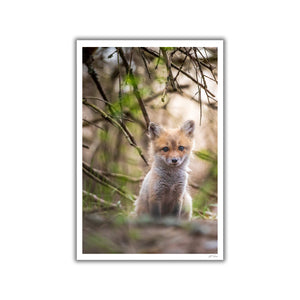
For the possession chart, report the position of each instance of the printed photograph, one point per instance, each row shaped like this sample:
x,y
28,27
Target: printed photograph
x,y
149,150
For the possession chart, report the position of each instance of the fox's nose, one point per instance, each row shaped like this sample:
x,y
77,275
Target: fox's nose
x,y
174,160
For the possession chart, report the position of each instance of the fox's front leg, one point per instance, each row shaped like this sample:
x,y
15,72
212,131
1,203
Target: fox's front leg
x,y
155,209
176,210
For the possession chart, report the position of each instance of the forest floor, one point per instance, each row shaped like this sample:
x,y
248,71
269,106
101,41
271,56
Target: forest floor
x,y
145,235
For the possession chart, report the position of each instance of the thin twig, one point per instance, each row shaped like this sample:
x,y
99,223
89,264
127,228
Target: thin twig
x,y
91,123
119,81
104,181
145,63
181,67
197,186
120,176
193,58
168,65
199,66
152,97
216,81
95,78
210,105
177,68
131,118
196,66
158,61
97,98
211,68
131,56
99,199
121,126
200,100
201,73
135,87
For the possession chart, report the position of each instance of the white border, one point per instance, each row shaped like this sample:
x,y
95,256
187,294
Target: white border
x,y
149,43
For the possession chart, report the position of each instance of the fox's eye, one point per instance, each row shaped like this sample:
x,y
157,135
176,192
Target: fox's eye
x,y
181,148
165,149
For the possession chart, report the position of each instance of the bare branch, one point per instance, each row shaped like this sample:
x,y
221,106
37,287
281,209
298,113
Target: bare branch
x,y
193,58
105,181
130,118
177,68
95,78
97,98
168,65
210,67
198,187
210,105
200,100
91,123
120,176
152,97
121,126
181,67
201,73
135,88
145,63
119,82
99,199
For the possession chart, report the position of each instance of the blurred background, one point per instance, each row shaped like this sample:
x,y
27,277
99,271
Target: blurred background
x,y
124,89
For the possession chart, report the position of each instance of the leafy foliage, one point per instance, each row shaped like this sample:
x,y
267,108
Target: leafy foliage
x,y
205,199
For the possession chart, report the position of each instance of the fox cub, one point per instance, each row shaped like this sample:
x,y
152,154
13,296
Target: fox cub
x,y
164,189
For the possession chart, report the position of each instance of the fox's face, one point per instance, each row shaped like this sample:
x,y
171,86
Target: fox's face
x,y
172,146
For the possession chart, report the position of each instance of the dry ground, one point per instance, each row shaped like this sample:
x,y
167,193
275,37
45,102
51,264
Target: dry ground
x,y
145,235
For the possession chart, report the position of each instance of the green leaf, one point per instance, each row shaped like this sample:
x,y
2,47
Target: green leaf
x,y
131,80
206,155
167,48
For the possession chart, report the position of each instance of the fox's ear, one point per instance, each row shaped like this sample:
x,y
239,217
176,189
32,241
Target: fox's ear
x,y
188,128
154,130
